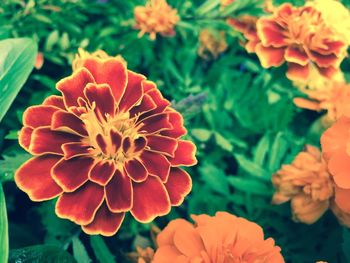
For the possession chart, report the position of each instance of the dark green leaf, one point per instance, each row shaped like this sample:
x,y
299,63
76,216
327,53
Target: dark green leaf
x,y
4,240
101,250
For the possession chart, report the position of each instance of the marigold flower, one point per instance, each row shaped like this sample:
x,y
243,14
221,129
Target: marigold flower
x,y
334,99
306,183
157,17
221,238
212,42
141,255
300,37
108,145
246,24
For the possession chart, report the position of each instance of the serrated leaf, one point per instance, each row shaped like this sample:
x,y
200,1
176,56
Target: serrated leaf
x,y
79,251
40,254
17,58
4,240
101,250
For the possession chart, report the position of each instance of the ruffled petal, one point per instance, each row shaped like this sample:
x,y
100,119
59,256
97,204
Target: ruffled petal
x,y
342,197
295,55
72,87
297,72
34,178
177,124
38,116
24,137
270,33
156,164
146,105
162,144
184,154
74,149
105,222
111,71
72,174
133,92
119,193
56,101
150,200
80,206
68,122
270,56
136,170
178,186
102,172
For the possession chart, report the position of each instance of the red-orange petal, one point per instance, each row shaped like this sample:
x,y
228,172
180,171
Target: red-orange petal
x,y
297,72
185,154
116,139
80,206
325,60
73,173
146,105
74,149
111,71
105,222
150,200
34,178
156,164
56,101
119,193
44,140
68,122
342,198
295,55
162,144
155,123
339,167
133,92
72,87
37,116
24,137
270,56
136,170
178,186
102,172
271,33
102,96
177,123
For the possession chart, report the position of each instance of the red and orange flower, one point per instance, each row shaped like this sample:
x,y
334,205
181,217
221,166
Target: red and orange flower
x,y
156,17
221,238
109,144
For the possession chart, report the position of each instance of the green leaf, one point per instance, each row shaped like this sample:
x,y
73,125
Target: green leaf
x,y
4,242
223,142
202,135
250,186
79,251
215,178
17,58
101,250
252,168
10,164
40,254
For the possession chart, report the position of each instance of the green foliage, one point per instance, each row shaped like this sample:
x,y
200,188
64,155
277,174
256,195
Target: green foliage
x,y
17,57
101,250
4,242
79,251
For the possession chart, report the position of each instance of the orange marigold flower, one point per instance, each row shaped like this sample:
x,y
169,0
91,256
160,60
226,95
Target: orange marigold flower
x,y
307,183
334,99
246,24
108,145
157,17
212,43
221,238
300,37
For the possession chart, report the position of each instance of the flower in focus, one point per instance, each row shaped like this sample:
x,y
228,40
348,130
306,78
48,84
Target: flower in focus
x,y
335,14
212,43
110,144
334,99
246,24
157,17
306,183
300,37
221,238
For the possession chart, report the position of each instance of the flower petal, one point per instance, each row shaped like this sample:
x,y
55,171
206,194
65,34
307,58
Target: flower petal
x,y
270,56
102,96
68,122
177,123
342,198
155,123
133,92
297,56
156,164
146,105
56,101
72,174
105,222
80,206
72,87
185,154
162,144
34,178
178,186
74,149
339,167
24,137
150,200
37,116
111,71
297,72
136,170
102,172
119,193
44,140
270,33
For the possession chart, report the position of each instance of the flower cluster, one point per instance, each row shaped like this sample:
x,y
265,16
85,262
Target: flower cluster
x,y
307,183
212,43
156,17
298,36
110,144
221,238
